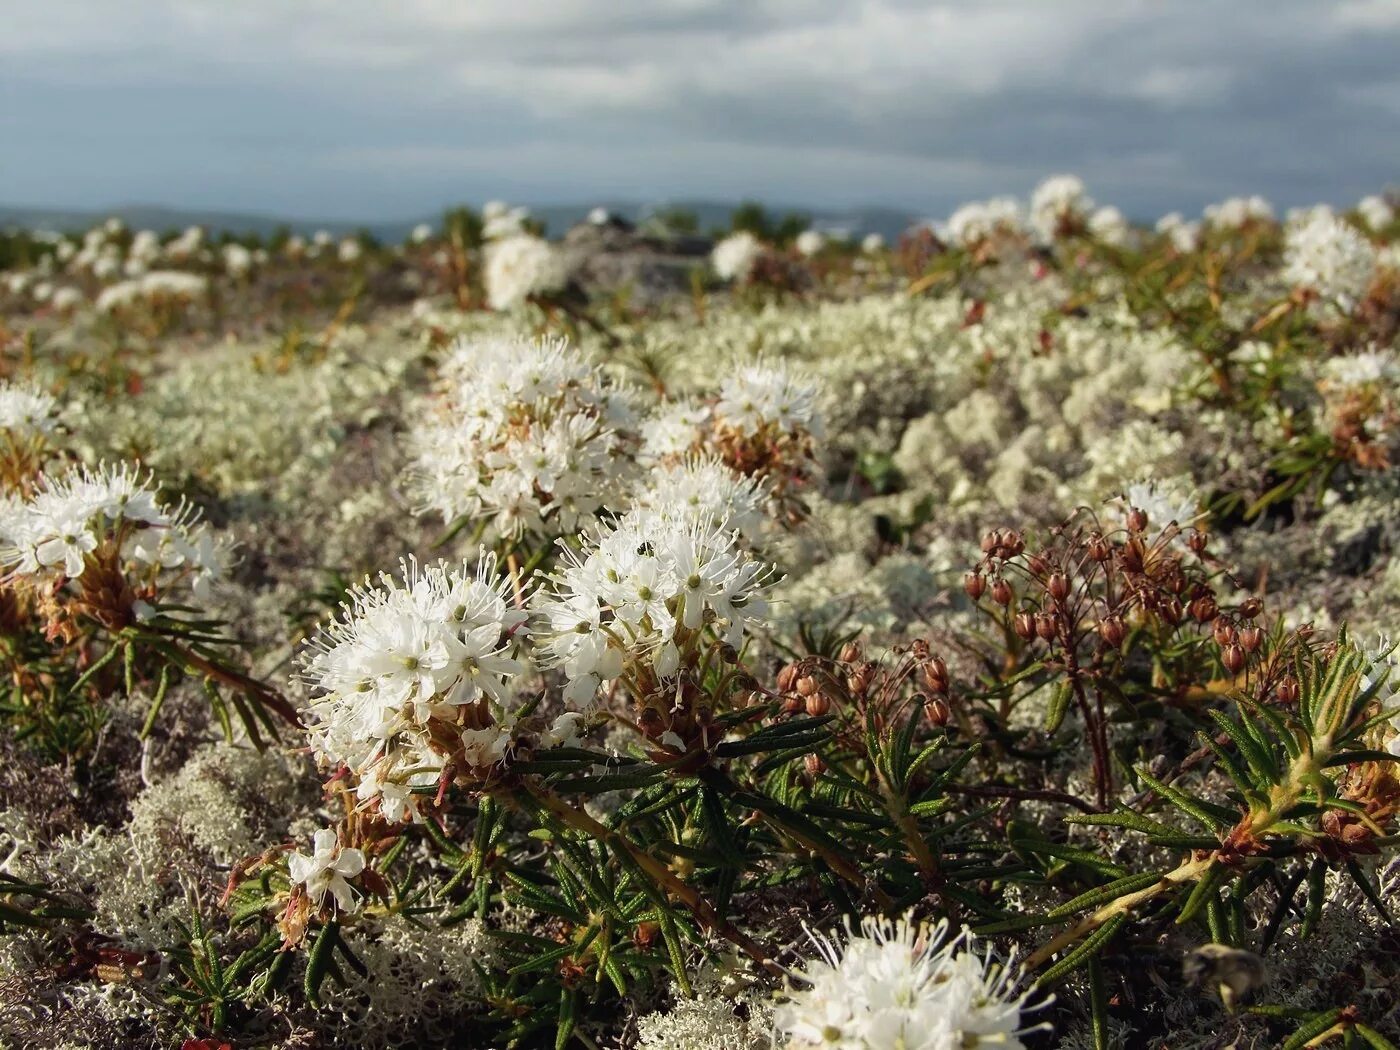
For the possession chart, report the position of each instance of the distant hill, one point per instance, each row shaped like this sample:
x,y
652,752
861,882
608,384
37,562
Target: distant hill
x,y
889,222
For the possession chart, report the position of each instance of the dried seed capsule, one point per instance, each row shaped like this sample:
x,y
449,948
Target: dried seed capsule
x,y
1234,658
806,685
1113,630
974,584
1023,623
990,542
1287,691
814,765
1203,609
792,703
1001,592
1045,626
1224,633
1197,541
936,674
1099,548
1172,611
850,653
937,711
818,705
787,677
1057,586
1137,520
1251,638
1250,609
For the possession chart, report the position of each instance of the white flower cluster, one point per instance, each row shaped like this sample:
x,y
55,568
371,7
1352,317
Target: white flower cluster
x,y
1185,236
1235,213
733,257
25,410
636,597
980,221
500,220
810,243
520,266
1163,501
527,434
1059,201
702,487
1368,368
393,677
51,534
906,985
756,397
1109,225
158,284
1328,257
1376,212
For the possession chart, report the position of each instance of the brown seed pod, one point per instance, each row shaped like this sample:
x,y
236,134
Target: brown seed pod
x,y
974,583
806,685
814,765
818,705
937,711
1137,520
1251,638
1057,586
1023,623
1001,592
787,677
1113,630
1234,658
936,674
1045,626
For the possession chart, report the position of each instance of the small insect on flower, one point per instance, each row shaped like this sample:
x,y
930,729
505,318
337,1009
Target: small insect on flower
x,y
904,984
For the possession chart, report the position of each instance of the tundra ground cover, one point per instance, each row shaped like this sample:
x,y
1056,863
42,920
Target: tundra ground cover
x,y
982,641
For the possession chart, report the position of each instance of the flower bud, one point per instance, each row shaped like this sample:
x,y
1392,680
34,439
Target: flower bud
x,y
1058,586
1023,623
974,584
1251,638
1233,657
1001,592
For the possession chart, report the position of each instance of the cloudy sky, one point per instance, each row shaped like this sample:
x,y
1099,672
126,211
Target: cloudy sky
x,y
368,109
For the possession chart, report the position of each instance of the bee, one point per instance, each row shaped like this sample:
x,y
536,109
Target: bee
x,y
1233,973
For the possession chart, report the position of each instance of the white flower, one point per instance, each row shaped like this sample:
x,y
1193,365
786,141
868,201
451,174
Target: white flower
x,y
872,243
907,985
422,233
706,488
599,216
349,250
26,410
502,221
733,257
519,266
1329,258
326,870
1363,369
